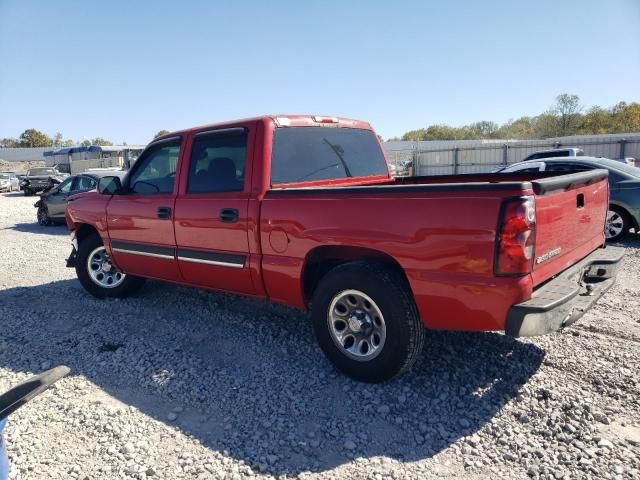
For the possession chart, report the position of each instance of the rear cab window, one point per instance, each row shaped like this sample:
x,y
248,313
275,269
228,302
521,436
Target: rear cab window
x,y
308,154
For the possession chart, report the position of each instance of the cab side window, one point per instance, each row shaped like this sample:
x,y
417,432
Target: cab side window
x,y
156,170
218,162
83,184
567,167
65,187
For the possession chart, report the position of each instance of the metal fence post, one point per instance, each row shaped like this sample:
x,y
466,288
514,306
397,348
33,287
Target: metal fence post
x,y
505,153
623,148
455,160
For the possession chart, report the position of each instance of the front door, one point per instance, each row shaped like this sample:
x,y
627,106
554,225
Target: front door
x,y
140,220
57,202
211,212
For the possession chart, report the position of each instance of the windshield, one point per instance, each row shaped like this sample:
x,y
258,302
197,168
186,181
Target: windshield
x,y
41,171
306,154
4,175
621,167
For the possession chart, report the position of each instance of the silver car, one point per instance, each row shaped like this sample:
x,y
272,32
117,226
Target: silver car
x,y
9,182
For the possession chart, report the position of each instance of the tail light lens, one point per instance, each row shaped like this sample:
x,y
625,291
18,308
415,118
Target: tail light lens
x,y
516,237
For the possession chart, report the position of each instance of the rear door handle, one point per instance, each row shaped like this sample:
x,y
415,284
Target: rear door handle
x,y
164,213
229,215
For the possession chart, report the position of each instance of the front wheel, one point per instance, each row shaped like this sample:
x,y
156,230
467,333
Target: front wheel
x,y
98,275
617,224
366,321
43,216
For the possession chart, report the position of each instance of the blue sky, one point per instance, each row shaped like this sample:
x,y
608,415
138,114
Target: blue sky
x,y
125,69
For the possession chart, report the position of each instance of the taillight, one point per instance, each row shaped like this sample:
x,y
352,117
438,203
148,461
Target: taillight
x,y
516,237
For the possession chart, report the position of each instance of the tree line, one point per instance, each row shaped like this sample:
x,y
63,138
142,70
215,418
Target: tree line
x,y
565,117
31,138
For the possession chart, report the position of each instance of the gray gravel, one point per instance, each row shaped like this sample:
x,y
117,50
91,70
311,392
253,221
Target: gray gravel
x,y
180,383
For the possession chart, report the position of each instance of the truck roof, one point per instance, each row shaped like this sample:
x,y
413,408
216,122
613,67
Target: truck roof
x,y
281,121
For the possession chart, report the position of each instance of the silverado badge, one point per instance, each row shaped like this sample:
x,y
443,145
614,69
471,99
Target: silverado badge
x,y
550,254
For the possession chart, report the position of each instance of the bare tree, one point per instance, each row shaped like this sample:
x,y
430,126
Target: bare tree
x,y
568,109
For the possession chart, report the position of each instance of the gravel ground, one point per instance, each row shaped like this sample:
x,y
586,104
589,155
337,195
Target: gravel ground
x,y
180,383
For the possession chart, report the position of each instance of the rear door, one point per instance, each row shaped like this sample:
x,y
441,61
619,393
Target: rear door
x,y
211,214
140,221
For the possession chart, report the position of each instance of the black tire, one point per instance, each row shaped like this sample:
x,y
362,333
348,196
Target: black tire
x,y
43,216
623,218
27,192
405,333
128,287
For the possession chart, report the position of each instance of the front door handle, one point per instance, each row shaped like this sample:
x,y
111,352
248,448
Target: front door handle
x,y
164,213
229,215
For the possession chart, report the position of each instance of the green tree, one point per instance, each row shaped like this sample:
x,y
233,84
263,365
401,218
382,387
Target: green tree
x,y
521,128
9,143
86,143
596,121
546,125
484,129
68,143
161,133
626,117
34,138
101,142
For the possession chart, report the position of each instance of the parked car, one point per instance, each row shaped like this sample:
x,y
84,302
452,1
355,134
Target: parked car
x,y
53,201
556,152
9,182
403,168
624,188
41,178
301,210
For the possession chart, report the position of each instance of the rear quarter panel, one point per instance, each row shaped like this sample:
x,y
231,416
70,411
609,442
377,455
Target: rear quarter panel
x,y
443,241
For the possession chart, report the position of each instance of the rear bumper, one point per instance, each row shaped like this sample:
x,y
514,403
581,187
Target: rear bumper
x,y
563,300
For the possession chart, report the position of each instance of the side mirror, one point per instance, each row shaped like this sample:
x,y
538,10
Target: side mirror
x,y
109,185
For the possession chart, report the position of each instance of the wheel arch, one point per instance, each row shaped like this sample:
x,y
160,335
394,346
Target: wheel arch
x,y
83,230
626,210
320,260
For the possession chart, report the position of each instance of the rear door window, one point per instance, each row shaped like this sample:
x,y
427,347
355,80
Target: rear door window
x,y
306,154
218,161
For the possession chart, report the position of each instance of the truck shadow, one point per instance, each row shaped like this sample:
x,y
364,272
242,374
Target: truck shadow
x,y
55,229
249,379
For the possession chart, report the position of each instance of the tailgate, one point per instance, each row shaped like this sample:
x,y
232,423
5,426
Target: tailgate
x,y
570,218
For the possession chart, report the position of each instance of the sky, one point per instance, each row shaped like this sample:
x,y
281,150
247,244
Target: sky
x,y
123,70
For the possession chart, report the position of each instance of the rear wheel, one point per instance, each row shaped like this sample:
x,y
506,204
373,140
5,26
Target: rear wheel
x,y
98,275
366,321
617,224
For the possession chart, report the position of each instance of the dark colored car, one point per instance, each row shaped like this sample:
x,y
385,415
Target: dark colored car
x,y
53,201
41,178
624,187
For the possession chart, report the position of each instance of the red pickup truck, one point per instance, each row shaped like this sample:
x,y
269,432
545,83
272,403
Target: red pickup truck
x,y
301,210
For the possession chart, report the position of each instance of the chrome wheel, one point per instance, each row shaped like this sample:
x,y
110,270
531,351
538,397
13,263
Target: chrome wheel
x,y
615,225
356,325
101,271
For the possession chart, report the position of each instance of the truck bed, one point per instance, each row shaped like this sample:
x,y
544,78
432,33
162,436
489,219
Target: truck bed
x,y
427,225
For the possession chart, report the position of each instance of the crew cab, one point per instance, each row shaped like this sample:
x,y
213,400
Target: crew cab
x,y
301,210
